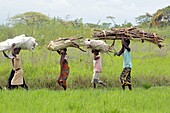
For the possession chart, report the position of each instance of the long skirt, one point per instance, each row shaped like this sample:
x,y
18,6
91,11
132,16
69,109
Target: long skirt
x,y
18,77
62,77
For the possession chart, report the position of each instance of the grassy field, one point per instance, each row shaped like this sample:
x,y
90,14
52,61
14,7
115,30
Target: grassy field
x,y
150,67
41,68
153,100
150,76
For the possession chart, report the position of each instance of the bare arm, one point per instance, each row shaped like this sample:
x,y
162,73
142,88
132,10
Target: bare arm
x,y
9,57
124,44
121,51
5,54
58,51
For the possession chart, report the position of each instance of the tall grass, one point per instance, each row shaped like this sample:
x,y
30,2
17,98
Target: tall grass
x,y
41,68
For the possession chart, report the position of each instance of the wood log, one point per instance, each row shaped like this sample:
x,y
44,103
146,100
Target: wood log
x,y
62,43
131,33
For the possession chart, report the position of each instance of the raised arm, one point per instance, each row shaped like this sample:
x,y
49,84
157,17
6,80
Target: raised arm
x,y
10,56
58,51
126,44
121,51
7,56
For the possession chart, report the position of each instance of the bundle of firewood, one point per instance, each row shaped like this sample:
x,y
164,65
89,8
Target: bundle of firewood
x,y
131,33
62,43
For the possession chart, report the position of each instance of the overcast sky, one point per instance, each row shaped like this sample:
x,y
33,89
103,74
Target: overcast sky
x,y
90,10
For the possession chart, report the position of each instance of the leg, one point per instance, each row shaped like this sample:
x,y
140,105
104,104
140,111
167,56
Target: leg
x,y
14,87
102,83
98,80
64,85
24,85
0,88
10,78
62,82
94,79
128,80
123,87
58,80
94,85
122,80
130,87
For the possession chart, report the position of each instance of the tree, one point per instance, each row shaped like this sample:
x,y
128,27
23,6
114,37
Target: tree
x,y
161,17
105,25
91,25
126,24
112,18
144,19
29,18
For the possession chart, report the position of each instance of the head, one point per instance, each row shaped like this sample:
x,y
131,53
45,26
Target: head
x,y
96,52
16,50
92,51
127,41
63,50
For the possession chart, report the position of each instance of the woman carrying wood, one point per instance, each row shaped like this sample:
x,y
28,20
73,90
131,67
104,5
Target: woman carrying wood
x,y
125,77
64,68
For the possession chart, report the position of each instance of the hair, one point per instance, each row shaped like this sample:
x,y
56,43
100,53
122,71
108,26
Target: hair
x,y
92,50
95,51
127,41
17,50
65,49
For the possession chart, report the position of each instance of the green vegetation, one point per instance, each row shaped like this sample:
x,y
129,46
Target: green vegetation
x,y
41,68
150,64
159,19
154,100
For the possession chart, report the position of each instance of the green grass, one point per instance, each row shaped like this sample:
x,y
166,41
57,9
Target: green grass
x,y
150,76
153,100
41,68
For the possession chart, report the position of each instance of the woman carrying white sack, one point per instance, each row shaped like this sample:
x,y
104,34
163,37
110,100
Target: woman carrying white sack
x,y
16,44
18,78
97,68
97,46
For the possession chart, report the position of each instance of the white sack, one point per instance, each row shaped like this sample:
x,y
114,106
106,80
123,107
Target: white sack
x,y
26,43
96,44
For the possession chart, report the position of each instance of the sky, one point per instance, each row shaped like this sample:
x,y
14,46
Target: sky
x,y
90,10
